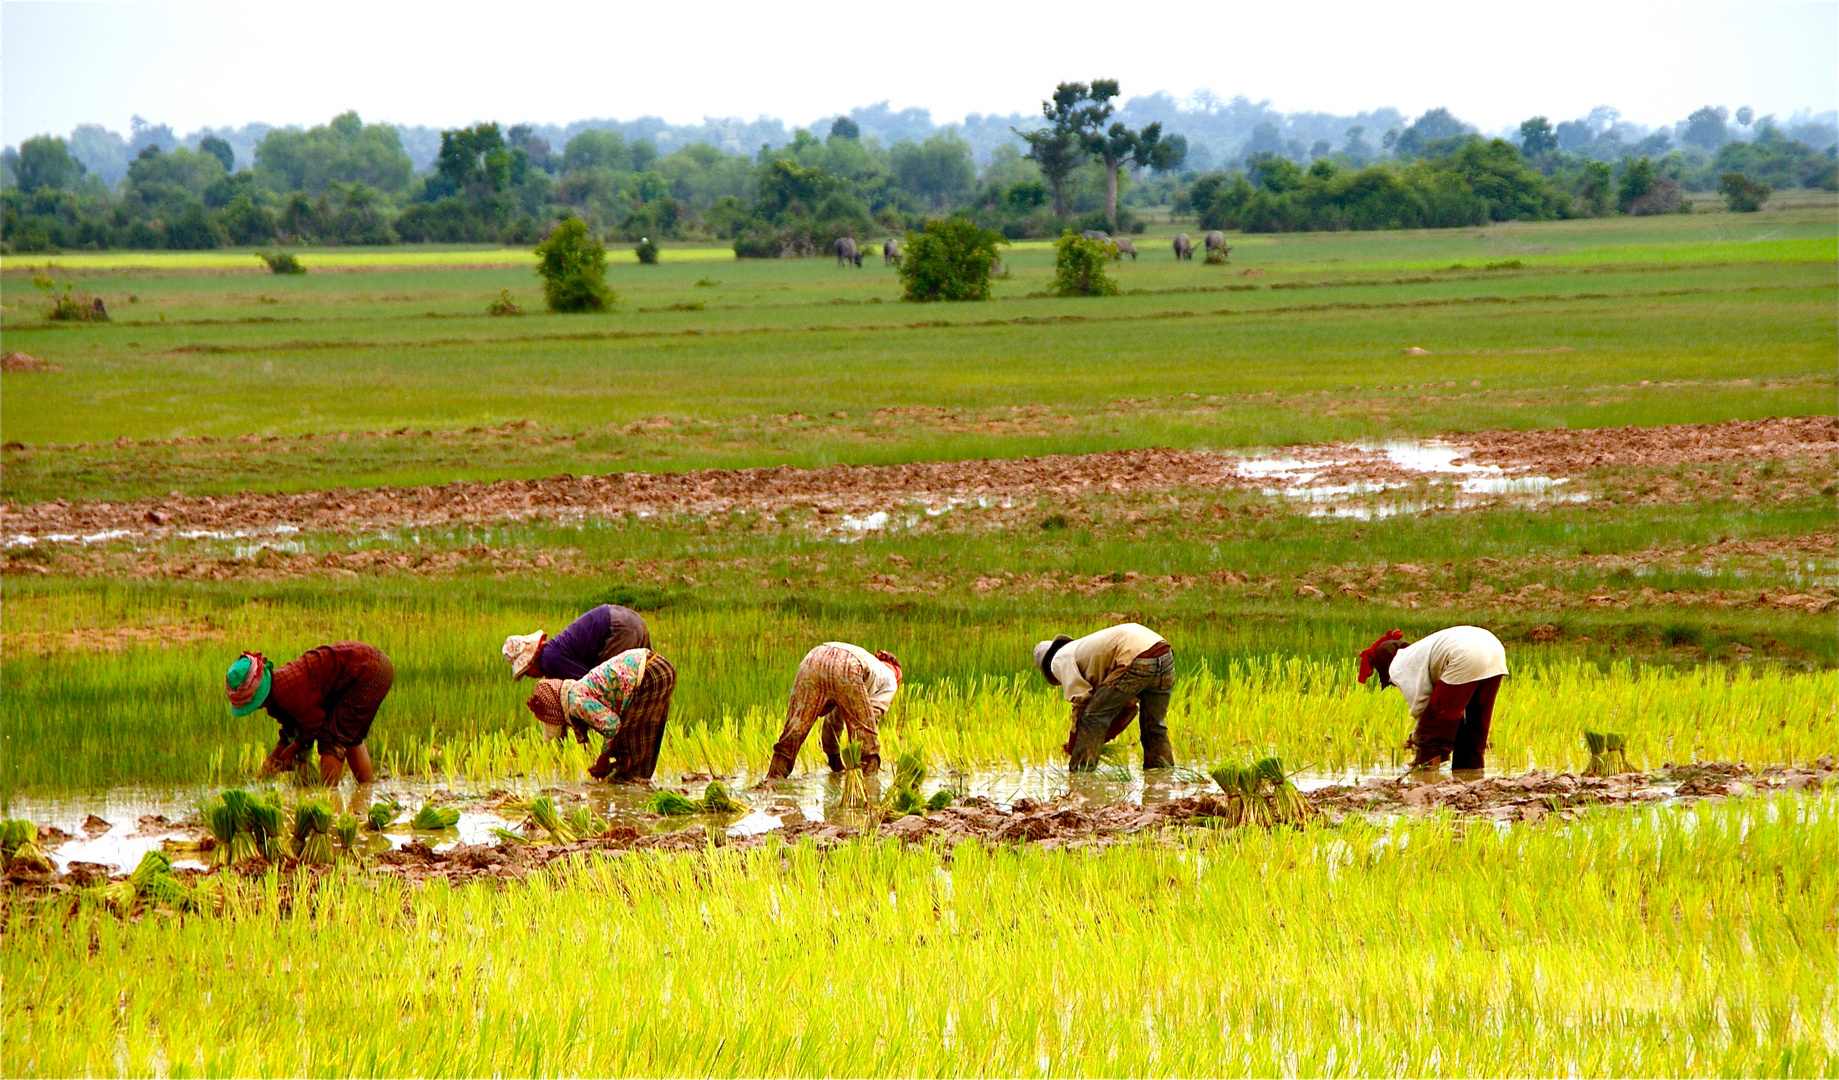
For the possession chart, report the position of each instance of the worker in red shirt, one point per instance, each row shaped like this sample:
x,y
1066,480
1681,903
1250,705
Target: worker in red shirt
x,y
328,697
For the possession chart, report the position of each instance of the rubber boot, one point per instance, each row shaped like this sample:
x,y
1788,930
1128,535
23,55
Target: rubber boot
x,y
1157,753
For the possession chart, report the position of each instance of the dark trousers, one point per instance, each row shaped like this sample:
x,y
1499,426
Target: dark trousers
x,y
1455,724
1147,684
641,728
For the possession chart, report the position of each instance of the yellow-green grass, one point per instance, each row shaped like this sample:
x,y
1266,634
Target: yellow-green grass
x,y
1652,943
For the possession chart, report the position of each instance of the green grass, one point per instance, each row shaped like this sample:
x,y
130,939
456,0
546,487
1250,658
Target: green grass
x,y
1647,943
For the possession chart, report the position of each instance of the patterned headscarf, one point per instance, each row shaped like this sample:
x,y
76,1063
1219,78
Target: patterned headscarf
x,y
887,658
1371,651
546,703
246,683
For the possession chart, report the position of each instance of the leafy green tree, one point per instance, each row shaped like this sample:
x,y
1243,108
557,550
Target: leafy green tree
x,y
938,170
1742,194
1081,266
1081,109
1596,189
844,128
573,266
474,160
1637,181
1705,128
220,150
950,259
45,162
345,151
596,149
1434,125
1537,139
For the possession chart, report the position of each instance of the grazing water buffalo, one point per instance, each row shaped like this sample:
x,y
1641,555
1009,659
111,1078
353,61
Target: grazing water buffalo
x,y
1184,247
1216,241
1126,246
846,251
890,253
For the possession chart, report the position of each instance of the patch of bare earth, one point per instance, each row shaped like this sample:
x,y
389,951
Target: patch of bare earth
x,y
845,489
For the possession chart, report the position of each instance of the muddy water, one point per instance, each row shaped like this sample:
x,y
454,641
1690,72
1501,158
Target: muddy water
x,y
115,828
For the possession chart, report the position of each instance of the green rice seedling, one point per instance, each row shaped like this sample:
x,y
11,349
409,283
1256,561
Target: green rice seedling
x,y
941,799
1607,753
313,831
432,818
855,789
508,836
266,820
151,878
671,804
1287,804
381,814
909,769
19,844
220,820
903,801
583,821
716,800
345,828
544,815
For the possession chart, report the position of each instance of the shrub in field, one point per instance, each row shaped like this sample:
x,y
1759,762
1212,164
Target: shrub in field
x,y
1080,266
1742,194
646,251
69,306
281,262
950,259
504,305
574,269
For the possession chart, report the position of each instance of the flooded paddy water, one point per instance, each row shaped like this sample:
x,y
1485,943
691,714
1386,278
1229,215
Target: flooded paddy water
x,y
104,834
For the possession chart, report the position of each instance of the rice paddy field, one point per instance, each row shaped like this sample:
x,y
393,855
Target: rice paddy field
x,y
1613,443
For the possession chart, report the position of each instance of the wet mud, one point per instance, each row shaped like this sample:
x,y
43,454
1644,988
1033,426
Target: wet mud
x,y
844,497
1069,821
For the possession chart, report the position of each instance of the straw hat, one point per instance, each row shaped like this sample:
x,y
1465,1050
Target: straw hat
x,y
520,650
1044,653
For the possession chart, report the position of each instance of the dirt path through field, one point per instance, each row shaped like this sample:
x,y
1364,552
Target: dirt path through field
x,y
1484,462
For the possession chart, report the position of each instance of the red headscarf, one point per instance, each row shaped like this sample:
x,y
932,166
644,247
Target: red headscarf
x,y
1367,654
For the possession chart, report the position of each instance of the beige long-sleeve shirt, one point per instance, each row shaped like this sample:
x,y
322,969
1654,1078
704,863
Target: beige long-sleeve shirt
x,y
1460,654
881,680
1086,662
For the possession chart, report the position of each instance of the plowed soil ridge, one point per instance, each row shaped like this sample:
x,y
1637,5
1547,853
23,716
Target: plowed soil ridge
x,y
853,489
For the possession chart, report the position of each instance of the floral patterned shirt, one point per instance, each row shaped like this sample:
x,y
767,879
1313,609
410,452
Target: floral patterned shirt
x,y
595,700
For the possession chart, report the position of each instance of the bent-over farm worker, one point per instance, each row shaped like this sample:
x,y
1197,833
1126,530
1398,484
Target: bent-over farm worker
x,y
329,696
589,641
1110,678
626,701
1449,680
847,687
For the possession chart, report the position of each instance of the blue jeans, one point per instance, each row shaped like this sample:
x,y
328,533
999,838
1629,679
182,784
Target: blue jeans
x,y
1147,683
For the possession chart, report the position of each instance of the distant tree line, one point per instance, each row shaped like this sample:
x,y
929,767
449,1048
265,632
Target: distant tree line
x,y
1085,163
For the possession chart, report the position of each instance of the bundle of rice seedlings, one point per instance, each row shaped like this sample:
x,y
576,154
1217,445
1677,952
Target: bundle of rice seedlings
x,y
1607,753
313,832
1287,803
230,828
19,843
855,792
432,818
543,814
909,770
153,877
508,836
1239,785
260,822
382,813
582,820
345,828
670,803
716,800
903,801
940,799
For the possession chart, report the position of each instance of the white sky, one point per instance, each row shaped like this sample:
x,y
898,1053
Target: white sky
x,y
457,62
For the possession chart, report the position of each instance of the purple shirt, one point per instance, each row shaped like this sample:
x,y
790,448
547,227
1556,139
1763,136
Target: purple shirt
x,y
594,638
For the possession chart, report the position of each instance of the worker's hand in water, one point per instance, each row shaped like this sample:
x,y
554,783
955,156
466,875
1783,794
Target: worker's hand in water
x,y
281,759
599,769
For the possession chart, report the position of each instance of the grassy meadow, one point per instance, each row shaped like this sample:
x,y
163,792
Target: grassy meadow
x,y
1680,606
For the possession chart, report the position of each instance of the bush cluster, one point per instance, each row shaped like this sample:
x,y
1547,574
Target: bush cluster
x,y
1081,266
949,259
573,266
